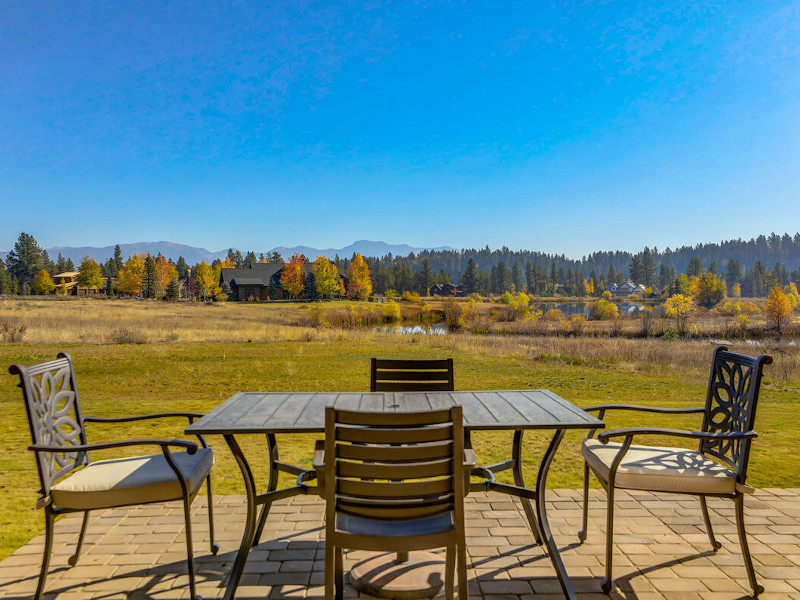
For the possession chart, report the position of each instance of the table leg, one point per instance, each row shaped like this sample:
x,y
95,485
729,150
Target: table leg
x,y
516,457
541,510
272,447
250,524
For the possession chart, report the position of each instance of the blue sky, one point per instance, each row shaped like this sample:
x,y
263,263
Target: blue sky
x,y
559,127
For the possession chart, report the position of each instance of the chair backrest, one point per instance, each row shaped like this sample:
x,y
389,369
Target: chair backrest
x,y
392,467
731,400
411,375
54,415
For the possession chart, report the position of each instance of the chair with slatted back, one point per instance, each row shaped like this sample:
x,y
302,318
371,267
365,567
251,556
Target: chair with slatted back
x,y
394,483
411,375
71,483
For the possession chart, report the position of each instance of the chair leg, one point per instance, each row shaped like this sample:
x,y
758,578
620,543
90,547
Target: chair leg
x,y
449,572
213,544
74,558
189,551
707,520
748,562
339,573
461,558
330,571
608,582
49,520
582,532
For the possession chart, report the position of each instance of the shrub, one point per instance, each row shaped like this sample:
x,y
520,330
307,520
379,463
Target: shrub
x,y
124,335
506,298
576,323
391,313
554,314
316,315
670,334
390,294
12,333
603,310
606,295
455,314
411,297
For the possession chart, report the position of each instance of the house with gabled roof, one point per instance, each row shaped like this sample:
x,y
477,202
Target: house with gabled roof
x,y
261,281
623,290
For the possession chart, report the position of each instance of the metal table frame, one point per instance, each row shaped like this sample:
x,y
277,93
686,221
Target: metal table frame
x,y
261,413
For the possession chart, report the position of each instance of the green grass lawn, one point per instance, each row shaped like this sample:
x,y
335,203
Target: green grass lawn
x,y
135,379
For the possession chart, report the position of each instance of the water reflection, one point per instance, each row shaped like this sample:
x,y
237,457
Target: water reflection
x,y
626,309
432,329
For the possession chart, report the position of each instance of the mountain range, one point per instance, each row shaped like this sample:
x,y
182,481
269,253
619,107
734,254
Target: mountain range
x,y
193,255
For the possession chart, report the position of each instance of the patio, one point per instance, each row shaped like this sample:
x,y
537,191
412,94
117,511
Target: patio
x,y
662,551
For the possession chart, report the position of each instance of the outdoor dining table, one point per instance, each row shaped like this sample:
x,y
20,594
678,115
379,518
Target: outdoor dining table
x,y
297,412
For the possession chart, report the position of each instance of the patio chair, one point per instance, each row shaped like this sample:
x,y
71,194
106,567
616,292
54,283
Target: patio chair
x,y
394,483
60,445
411,375
717,469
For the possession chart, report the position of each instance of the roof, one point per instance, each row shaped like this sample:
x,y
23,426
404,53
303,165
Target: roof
x,y
243,280
68,274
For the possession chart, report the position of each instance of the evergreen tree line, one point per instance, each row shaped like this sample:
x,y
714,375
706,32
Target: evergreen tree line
x,y
489,271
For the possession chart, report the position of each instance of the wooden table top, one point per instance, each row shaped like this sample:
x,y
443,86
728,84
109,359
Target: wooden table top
x,y
303,412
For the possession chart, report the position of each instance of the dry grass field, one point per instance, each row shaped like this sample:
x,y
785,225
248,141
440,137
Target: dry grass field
x,y
136,357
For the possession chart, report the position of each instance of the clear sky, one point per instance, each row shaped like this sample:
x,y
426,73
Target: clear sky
x,y
564,127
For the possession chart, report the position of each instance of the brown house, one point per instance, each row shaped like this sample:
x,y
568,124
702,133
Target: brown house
x,y
261,281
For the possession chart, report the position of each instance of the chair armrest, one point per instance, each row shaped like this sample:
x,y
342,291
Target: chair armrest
x,y
602,408
189,415
629,432
318,462
470,460
164,443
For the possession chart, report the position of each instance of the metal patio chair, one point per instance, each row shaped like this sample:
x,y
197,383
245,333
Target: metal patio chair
x,y
60,445
411,375
717,469
394,483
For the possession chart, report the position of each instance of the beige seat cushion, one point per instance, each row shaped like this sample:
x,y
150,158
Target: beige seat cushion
x,y
132,480
659,469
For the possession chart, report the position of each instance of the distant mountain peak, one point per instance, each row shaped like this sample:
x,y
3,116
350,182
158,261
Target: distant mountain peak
x,y
193,254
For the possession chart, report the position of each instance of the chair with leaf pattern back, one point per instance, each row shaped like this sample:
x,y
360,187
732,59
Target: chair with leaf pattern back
x,y
71,483
717,469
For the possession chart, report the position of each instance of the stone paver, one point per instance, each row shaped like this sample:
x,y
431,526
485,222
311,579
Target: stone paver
x,y
662,551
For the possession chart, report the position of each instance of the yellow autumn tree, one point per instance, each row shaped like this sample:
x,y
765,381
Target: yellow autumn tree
x,y
777,308
359,282
293,277
679,307
43,283
165,274
129,277
326,277
205,284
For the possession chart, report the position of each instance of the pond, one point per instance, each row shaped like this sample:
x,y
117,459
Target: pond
x,y
626,309
432,329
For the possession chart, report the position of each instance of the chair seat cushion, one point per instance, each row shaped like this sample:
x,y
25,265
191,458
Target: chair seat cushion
x,y
378,528
659,469
132,480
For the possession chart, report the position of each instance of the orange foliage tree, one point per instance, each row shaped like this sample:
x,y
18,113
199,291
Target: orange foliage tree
x,y
293,275
165,274
359,284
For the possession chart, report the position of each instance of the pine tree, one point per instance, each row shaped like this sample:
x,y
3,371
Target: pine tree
x,y
469,278
516,277
182,267
149,283
118,258
25,261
